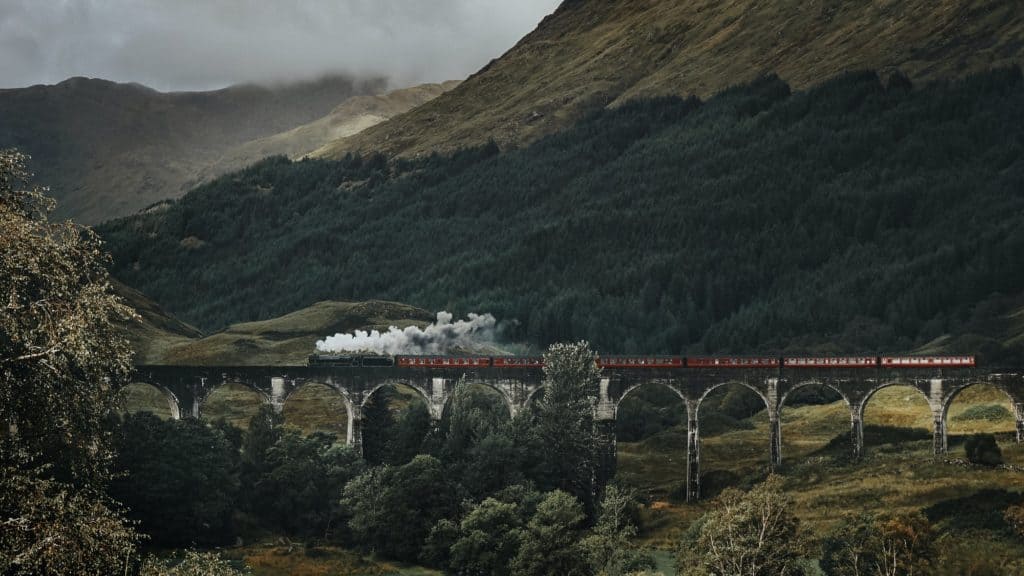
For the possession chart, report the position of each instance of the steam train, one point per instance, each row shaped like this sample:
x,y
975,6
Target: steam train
x,y
641,362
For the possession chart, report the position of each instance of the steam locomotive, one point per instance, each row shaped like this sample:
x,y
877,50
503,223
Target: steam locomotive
x,y
641,362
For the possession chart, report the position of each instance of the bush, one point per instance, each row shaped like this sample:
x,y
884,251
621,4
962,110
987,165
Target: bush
x,y
193,564
982,449
990,412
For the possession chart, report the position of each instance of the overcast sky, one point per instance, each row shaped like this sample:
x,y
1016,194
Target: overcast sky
x,y
205,44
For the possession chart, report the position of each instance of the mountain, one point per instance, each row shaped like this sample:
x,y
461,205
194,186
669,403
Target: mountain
x,y
109,149
350,117
593,54
864,213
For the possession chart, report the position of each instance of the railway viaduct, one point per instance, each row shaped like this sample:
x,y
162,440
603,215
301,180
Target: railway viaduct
x,y
186,388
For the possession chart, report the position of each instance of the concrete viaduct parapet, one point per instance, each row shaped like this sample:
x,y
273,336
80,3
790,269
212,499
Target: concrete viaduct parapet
x,y
187,388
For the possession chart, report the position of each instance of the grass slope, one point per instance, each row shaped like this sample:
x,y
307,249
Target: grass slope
x,y
589,55
897,474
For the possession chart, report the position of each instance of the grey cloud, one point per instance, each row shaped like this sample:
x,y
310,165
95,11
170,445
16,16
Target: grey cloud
x,y
203,44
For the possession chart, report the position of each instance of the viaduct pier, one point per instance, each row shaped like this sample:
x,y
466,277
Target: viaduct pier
x,y
187,387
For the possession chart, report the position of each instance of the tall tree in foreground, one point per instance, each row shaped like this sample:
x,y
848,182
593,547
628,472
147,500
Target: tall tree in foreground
x,y
62,359
62,348
565,420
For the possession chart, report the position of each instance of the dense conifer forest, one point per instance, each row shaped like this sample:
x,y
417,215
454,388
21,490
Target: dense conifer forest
x,y
865,212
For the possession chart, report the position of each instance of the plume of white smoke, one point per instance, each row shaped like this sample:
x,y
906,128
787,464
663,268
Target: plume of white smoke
x,y
441,337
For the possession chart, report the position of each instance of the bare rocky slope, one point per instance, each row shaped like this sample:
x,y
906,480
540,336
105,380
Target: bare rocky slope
x,y
108,149
598,53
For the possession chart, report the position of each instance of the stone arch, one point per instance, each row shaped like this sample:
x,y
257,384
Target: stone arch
x,y
424,395
173,405
341,392
631,389
204,400
509,404
806,383
796,441
694,439
760,394
530,396
863,404
952,394
938,424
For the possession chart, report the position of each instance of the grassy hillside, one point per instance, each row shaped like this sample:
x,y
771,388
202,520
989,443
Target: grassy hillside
x,y
350,117
154,331
862,214
286,340
897,474
108,149
589,55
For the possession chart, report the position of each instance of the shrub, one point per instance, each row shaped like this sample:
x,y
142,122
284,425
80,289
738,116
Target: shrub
x,y
990,412
982,449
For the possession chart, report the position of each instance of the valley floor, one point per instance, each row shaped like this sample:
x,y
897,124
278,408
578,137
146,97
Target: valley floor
x,y
898,473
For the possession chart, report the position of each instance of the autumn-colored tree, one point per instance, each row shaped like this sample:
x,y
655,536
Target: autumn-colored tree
x,y
851,548
63,357
63,351
52,527
193,564
906,545
753,533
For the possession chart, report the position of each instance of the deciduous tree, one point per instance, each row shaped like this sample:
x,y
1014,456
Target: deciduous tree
x,y
63,357
550,542
63,352
753,533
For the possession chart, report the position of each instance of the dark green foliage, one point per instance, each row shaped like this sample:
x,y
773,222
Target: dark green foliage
x,y
982,449
390,438
549,544
868,217
378,423
178,478
647,411
299,489
488,539
478,445
264,431
392,509
561,429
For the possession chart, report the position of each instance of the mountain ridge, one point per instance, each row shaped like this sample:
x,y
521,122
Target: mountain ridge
x,y
592,55
108,149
